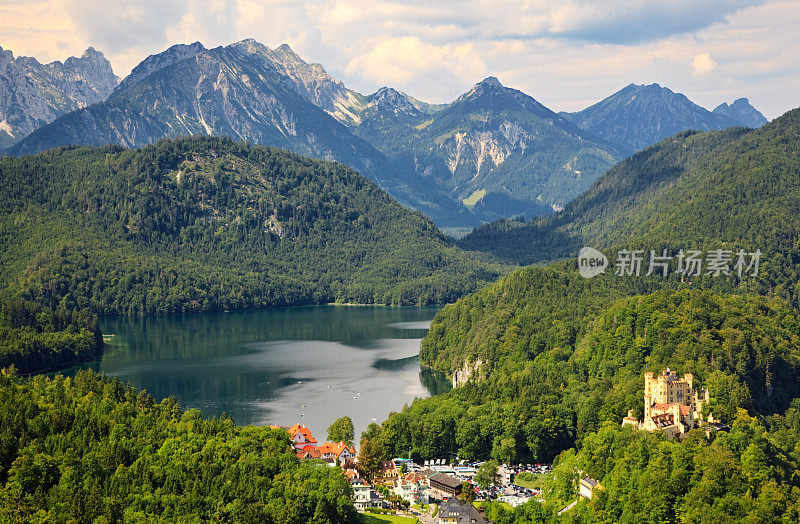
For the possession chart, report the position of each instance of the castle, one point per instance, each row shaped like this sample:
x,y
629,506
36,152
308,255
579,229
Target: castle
x,y
670,404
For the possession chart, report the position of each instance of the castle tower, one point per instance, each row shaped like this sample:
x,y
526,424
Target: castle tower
x,y
648,393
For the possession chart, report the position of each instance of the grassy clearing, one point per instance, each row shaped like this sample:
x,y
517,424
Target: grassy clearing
x,y
474,198
374,518
535,481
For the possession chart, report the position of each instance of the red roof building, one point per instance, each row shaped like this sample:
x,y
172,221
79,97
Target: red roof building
x,y
338,451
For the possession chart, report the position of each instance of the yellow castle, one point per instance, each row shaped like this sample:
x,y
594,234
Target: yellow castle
x,y
670,404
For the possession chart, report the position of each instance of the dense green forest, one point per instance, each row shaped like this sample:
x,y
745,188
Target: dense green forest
x,y
90,449
556,360
747,475
34,338
209,224
558,355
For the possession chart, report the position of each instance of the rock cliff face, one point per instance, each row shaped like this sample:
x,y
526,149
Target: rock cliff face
x,y
469,370
34,94
311,81
508,151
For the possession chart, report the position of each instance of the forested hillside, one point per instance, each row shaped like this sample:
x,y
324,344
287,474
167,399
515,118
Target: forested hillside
x,y
747,475
604,211
209,224
34,338
555,356
89,449
722,189
548,360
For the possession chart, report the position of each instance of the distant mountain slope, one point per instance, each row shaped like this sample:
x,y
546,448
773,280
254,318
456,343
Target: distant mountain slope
x,y
494,152
240,92
209,224
494,147
638,116
737,187
33,94
741,111
311,81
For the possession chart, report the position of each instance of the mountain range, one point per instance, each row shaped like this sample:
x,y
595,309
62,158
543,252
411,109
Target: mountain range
x,y
638,116
736,188
34,94
493,152
742,112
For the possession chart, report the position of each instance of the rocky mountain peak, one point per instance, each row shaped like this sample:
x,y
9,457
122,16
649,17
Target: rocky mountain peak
x,y
490,93
43,92
92,54
488,85
286,49
387,98
158,61
251,46
742,112
388,94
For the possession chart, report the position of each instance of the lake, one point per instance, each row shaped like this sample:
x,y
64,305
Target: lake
x,y
279,366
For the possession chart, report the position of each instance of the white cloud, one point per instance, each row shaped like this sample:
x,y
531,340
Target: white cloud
x,y
703,64
565,53
408,61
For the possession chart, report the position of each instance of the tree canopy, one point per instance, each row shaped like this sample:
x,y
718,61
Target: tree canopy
x,y
89,448
210,224
342,430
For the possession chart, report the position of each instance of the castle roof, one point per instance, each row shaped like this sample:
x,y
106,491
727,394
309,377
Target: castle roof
x,y
664,420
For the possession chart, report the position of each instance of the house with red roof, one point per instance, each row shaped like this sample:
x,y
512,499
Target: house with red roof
x,y
301,436
309,452
339,451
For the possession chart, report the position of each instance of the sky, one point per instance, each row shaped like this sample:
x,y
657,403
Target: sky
x,y
567,54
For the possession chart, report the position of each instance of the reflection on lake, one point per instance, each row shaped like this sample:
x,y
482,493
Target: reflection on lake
x,y
281,366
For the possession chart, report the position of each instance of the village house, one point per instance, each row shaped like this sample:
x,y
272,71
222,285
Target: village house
x,y
444,486
454,512
301,436
364,496
587,486
307,447
389,470
338,451
412,487
309,452
670,404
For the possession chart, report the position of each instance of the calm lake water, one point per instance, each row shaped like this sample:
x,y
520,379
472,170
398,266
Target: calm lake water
x,y
280,366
